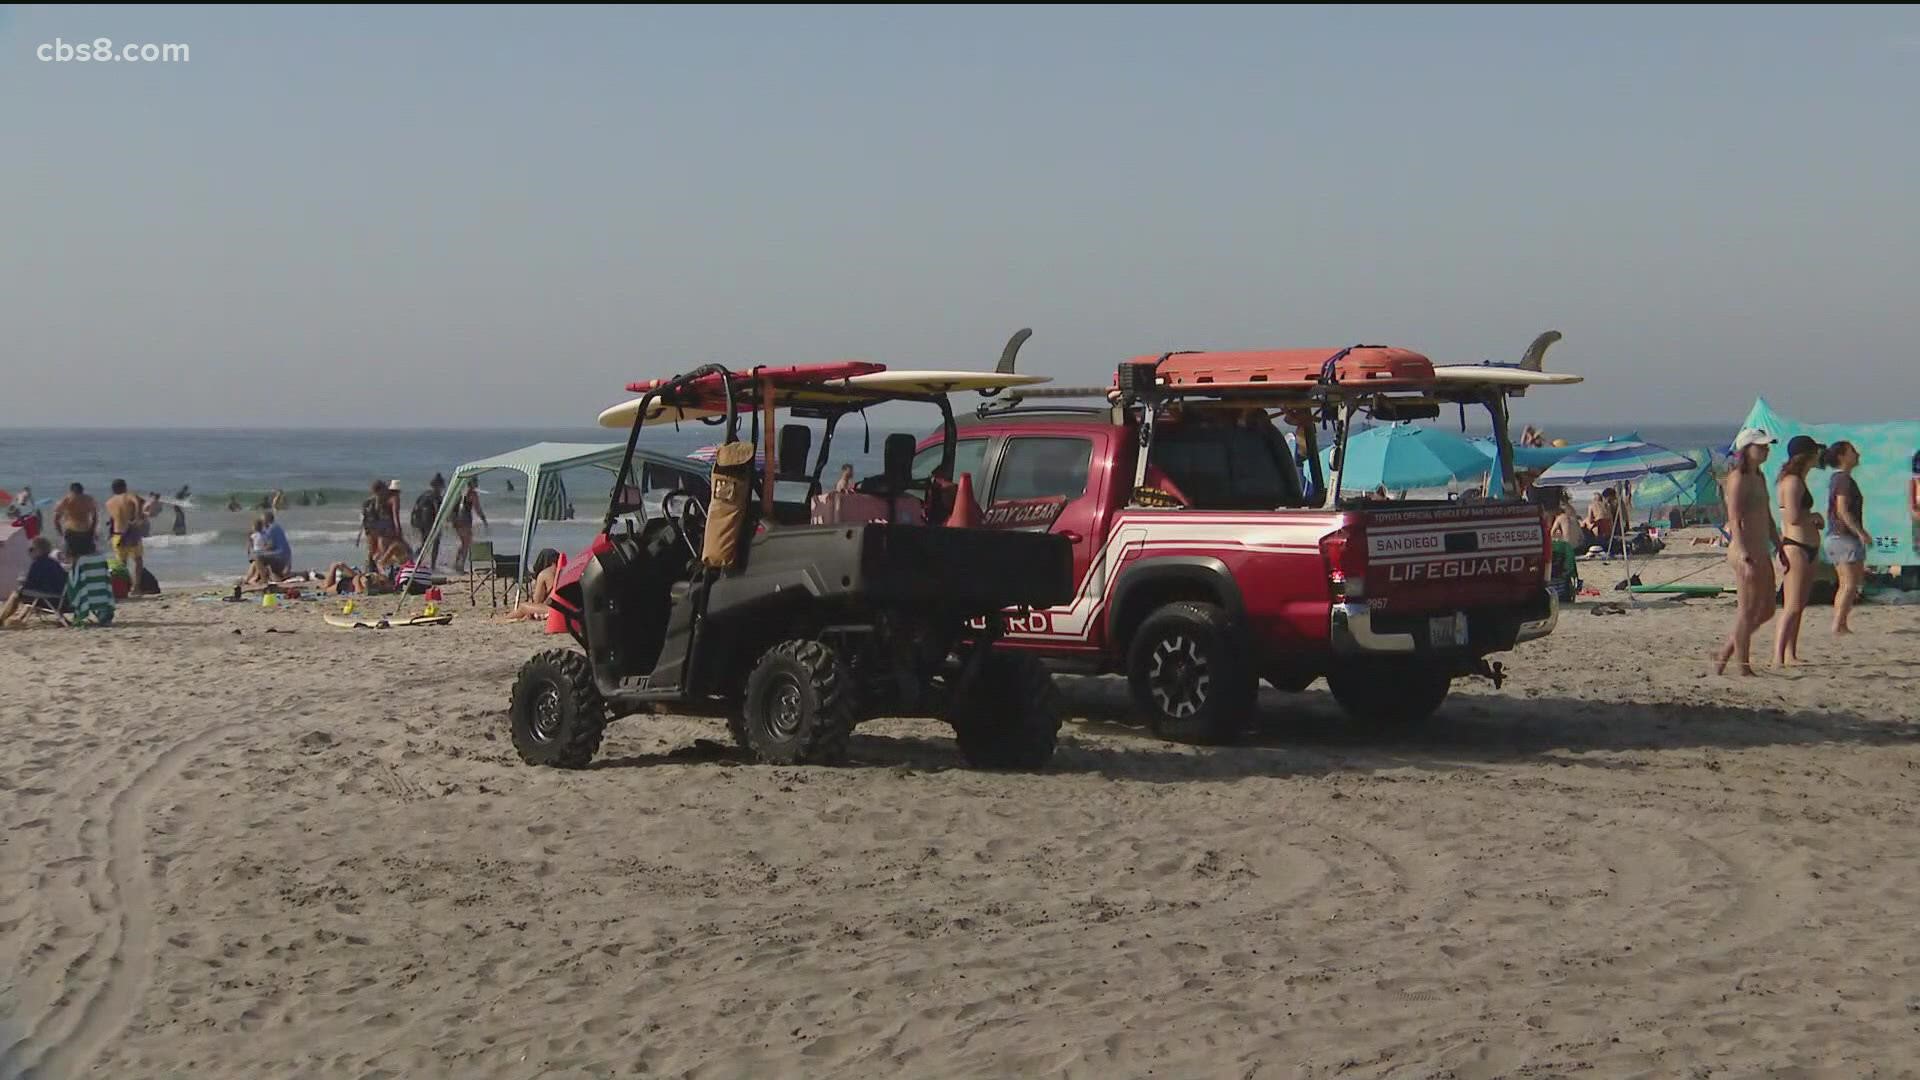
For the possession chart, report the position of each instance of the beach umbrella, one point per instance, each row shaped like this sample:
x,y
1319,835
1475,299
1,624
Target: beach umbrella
x,y
705,453
1402,456
1615,464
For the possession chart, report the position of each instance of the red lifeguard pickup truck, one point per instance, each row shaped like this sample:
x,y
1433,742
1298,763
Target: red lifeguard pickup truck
x,y
1207,559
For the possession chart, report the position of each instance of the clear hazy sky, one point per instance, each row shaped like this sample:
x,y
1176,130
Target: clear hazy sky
x,y
498,216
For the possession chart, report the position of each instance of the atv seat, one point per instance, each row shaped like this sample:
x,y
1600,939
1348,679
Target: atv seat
x,y
893,487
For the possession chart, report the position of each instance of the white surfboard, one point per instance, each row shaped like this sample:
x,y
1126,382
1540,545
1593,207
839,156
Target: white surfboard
x,y
621,415
936,382
1504,376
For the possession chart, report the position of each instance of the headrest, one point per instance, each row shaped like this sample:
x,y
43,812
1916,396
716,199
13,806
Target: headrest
x,y
898,455
796,443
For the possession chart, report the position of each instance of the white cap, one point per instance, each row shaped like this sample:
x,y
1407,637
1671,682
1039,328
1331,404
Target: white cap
x,y
394,483
1753,436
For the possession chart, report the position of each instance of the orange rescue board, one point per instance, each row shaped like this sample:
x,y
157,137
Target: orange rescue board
x,y
1372,365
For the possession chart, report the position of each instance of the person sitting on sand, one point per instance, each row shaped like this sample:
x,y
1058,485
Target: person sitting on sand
x,y
344,580
45,577
1603,516
546,569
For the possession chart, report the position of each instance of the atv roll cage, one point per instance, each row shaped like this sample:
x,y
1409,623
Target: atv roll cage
x,y
722,396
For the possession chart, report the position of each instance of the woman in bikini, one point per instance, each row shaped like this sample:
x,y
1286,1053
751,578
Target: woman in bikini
x,y
1755,544
1847,536
463,512
1800,540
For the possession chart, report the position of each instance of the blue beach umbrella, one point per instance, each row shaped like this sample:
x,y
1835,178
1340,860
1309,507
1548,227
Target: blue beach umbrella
x,y
1613,462
1401,456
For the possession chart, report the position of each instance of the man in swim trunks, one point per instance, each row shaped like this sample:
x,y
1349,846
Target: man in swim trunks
x,y
127,523
76,518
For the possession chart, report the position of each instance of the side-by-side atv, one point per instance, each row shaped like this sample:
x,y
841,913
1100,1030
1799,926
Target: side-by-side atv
x,y
794,612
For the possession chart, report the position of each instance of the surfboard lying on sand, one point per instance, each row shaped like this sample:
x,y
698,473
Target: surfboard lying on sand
x,y
1676,590
375,622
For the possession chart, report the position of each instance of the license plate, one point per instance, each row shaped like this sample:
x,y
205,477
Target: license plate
x,y
1447,631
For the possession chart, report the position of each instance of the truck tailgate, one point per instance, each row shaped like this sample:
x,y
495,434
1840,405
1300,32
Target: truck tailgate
x,y
1454,558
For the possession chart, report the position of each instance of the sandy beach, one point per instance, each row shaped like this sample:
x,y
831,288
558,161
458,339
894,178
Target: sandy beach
x,y
238,843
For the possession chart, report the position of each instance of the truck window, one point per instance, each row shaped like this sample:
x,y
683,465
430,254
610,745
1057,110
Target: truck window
x,y
1221,467
969,455
1038,468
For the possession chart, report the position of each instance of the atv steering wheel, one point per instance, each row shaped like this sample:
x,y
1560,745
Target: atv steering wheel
x,y
690,520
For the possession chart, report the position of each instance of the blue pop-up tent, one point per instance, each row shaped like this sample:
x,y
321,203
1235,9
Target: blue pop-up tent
x,y
1887,469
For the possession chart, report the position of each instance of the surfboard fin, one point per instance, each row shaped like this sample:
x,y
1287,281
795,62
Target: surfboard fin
x,y
1536,353
1010,354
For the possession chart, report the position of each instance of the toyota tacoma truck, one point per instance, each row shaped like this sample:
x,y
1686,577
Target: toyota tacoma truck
x,y
1210,551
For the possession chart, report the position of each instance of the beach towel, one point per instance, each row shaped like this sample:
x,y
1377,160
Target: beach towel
x,y
90,590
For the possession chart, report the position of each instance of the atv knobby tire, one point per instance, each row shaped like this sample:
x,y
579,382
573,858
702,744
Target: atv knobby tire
x,y
799,707
556,712
1010,717
1189,676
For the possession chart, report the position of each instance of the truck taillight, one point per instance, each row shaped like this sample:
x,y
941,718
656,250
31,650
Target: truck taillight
x,y
1345,554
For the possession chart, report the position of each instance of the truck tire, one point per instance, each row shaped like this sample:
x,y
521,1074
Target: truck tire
x,y
1010,717
1393,694
1189,675
799,707
555,712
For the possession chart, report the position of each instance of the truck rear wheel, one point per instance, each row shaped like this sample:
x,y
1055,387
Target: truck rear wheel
x,y
556,712
799,707
1389,693
1010,717
1189,675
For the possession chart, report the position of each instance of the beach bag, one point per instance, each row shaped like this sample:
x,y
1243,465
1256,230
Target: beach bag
x,y
732,485
425,509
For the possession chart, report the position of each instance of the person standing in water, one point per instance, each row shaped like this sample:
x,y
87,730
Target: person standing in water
x,y
1847,536
1755,544
1799,541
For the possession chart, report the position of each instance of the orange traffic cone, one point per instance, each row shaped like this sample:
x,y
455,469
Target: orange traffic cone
x,y
966,512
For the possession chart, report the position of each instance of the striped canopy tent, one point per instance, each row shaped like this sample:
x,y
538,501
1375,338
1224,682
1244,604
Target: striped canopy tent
x,y
543,466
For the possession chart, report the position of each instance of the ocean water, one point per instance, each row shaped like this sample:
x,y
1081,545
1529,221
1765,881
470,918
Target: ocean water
x,y
330,472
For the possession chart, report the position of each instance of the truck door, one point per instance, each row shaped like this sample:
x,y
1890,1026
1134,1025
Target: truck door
x,y
1047,483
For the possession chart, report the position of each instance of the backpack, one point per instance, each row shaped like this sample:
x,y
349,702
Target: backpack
x,y
425,509
370,514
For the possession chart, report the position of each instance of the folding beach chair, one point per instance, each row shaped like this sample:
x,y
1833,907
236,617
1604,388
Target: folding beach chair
x,y
41,606
485,565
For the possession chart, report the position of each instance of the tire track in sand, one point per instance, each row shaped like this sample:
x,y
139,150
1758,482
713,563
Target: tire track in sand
x,y
125,942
